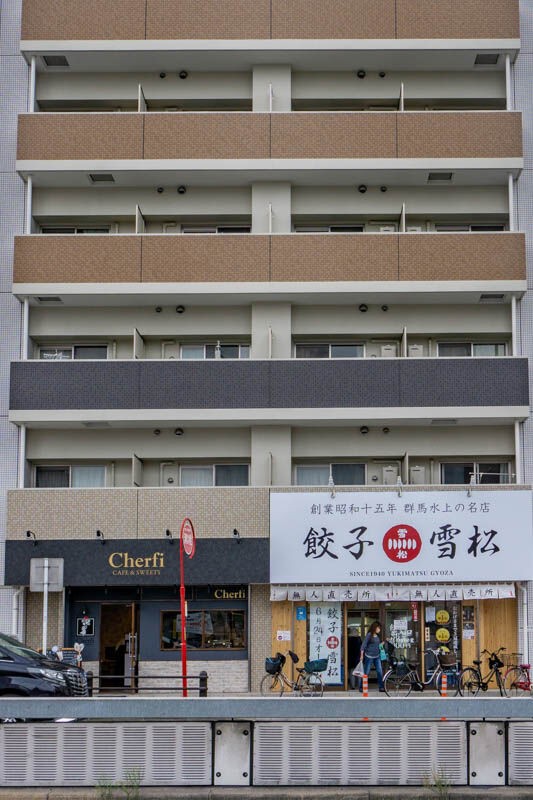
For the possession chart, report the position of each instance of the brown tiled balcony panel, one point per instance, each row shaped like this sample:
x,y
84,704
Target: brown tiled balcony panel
x,y
80,136
230,135
338,19
208,19
456,134
364,257
291,257
77,259
83,19
460,257
451,19
333,135
205,258
265,19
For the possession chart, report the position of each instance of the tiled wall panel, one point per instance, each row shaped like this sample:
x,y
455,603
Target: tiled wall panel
x,y
83,19
208,19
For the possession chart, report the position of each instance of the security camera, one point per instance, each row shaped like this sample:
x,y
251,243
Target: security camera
x,y
362,188
236,533
182,189
183,74
180,309
363,429
363,308
179,432
160,190
361,73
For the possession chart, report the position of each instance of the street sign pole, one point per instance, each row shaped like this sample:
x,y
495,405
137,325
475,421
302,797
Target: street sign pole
x,y
187,544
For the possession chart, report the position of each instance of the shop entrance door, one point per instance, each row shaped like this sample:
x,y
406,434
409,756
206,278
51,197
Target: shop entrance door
x,y
119,646
403,630
358,621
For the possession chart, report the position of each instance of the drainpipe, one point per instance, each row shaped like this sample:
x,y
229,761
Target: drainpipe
x,y
31,92
510,202
15,611
514,340
29,203
25,328
22,457
508,85
517,454
525,626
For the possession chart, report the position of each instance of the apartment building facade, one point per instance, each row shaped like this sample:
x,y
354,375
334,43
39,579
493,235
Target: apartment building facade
x,y
269,273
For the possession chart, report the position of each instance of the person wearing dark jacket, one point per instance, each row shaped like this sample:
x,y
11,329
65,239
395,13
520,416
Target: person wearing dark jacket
x,y
354,655
370,654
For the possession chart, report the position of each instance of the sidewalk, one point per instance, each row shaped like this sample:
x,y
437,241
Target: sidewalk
x,y
282,793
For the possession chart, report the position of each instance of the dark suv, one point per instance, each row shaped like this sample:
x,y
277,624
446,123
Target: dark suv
x,y
26,673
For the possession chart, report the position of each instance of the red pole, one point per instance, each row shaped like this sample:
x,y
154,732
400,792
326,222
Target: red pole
x,y
183,607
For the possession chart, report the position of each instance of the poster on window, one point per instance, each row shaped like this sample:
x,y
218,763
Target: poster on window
x,y
379,537
325,636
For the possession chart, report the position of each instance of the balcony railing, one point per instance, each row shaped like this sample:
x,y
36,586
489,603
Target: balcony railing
x,y
221,385
198,258
248,135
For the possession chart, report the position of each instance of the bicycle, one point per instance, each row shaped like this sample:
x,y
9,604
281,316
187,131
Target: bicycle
x,y
517,679
308,683
403,678
471,680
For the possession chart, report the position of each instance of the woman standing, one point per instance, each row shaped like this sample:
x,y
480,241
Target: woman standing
x,y
370,654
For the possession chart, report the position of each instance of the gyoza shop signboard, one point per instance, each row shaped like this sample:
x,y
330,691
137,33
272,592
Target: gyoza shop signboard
x,y
379,537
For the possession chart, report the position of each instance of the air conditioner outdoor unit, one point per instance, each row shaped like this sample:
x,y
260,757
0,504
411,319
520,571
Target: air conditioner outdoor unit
x,y
388,351
414,229
390,475
417,475
415,350
387,228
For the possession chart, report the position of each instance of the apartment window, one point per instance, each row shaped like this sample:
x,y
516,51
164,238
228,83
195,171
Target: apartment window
x,y
64,477
467,349
77,352
74,230
201,351
329,228
319,474
482,472
215,475
216,229
207,629
326,350
466,228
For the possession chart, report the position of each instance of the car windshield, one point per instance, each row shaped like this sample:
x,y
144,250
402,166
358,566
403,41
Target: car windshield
x,y
10,645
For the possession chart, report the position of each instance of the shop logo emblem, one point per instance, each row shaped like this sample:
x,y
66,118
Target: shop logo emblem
x,y
402,543
332,642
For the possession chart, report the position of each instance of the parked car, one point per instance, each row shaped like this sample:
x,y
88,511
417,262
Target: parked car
x,y
27,673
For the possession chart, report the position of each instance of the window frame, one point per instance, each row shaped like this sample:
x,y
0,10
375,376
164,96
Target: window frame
x,y
213,466
72,348
329,465
35,467
205,345
472,344
330,344
505,474
209,608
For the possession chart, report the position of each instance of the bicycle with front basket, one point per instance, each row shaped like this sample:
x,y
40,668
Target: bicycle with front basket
x,y
307,684
403,678
471,681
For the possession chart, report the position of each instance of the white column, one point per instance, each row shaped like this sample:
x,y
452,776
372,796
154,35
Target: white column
x,y
271,208
22,457
25,329
514,328
271,330
29,204
271,88
510,202
517,453
508,84
31,91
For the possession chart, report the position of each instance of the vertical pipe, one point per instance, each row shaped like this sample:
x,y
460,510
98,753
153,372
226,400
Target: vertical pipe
x,y
525,623
29,204
31,91
402,219
510,202
517,453
401,104
270,98
15,612
25,329
270,216
508,86
22,457
514,328
45,605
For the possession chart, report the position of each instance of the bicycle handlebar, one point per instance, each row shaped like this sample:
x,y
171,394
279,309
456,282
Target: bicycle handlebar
x,y
494,652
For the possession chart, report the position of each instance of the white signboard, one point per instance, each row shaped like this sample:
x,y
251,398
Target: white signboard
x,y
325,635
421,537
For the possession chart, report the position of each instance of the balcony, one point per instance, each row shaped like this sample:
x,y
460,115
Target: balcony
x,y
261,258
266,19
229,386
248,135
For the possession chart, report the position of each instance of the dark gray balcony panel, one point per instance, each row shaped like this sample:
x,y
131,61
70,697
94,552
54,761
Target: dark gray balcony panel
x,y
269,384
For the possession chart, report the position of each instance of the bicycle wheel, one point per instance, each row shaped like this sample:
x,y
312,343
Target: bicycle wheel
x,y
469,682
397,685
310,685
516,683
272,684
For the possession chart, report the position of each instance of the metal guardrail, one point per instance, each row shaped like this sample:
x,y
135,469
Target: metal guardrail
x,y
104,684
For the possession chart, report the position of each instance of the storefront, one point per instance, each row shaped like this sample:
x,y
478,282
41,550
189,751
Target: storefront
x,y
436,569
122,602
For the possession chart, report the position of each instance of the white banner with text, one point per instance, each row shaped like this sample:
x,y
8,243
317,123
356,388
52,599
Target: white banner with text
x,y
420,537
